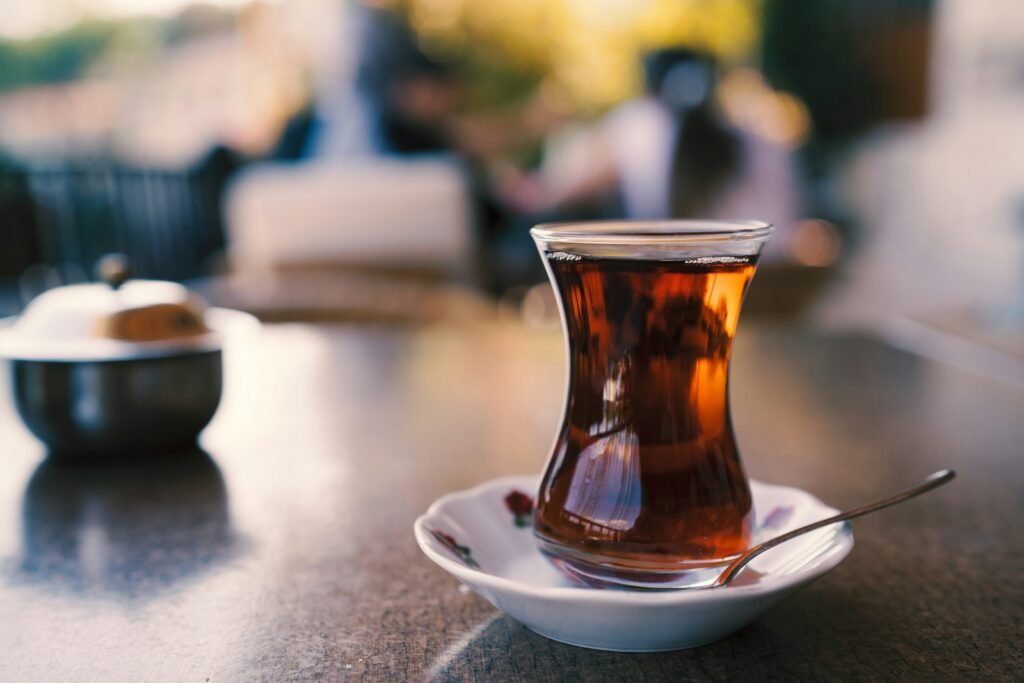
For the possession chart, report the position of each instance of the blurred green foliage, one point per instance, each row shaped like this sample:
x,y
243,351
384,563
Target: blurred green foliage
x,y
68,54
588,51
55,58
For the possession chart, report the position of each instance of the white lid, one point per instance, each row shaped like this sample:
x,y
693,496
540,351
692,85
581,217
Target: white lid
x,y
139,319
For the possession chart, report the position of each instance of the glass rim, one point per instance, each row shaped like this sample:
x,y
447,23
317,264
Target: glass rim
x,y
639,232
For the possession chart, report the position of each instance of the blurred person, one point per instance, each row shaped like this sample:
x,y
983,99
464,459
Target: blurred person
x,y
400,100
670,154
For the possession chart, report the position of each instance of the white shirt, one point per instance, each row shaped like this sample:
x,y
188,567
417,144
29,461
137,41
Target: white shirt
x,y
641,135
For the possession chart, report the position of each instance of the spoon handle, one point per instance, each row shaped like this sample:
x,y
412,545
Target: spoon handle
x,y
933,481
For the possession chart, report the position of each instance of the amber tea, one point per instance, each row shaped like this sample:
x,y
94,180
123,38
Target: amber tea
x,y
645,480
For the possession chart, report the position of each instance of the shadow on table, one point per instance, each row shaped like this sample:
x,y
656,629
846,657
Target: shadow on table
x,y
129,529
789,643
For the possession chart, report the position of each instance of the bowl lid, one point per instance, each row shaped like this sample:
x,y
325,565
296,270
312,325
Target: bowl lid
x,y
118,319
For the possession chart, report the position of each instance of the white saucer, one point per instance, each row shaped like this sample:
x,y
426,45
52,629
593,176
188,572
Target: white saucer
x,y
483,537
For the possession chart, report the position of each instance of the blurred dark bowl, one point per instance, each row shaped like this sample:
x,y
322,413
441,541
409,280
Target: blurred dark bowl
x,y
116,407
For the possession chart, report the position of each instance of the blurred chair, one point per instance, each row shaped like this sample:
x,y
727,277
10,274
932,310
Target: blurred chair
x,y
167,221
411,215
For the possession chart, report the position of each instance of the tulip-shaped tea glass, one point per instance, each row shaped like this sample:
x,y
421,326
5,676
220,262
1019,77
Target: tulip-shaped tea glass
x,y
644,486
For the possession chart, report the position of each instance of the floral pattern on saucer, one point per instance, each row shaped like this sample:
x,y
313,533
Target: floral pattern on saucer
x,y
521,507
462,552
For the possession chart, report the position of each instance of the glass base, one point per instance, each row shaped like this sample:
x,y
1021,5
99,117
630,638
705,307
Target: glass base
x,y
601,572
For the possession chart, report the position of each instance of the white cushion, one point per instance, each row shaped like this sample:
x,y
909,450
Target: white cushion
x,y
367,212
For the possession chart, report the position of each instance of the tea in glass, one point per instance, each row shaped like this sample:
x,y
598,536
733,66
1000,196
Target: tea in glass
x,y
645,484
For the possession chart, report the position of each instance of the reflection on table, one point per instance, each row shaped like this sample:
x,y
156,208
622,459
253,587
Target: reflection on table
x,y
126,528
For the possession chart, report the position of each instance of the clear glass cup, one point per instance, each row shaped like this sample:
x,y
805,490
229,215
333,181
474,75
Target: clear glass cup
x,y
644,486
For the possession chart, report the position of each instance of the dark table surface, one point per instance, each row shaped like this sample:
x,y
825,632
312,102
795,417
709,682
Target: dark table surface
x,y
285,551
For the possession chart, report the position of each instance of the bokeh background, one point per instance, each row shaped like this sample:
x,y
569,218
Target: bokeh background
x,y
383,160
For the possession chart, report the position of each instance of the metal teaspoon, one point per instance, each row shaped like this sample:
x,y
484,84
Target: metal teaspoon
x,y
932,482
